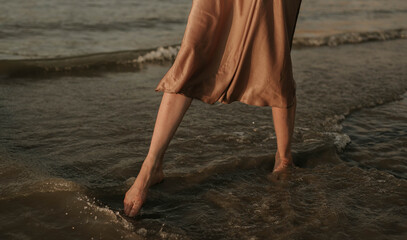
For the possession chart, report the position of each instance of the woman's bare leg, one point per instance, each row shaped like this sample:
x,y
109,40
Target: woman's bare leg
x,y
170,114
284,119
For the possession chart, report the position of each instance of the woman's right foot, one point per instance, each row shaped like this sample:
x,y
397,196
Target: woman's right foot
x,y
150,174
282,167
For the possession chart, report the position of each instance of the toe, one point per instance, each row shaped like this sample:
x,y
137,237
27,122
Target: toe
x,y
135,208
127,207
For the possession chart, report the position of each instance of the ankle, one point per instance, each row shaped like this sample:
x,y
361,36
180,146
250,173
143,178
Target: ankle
x,y
153,163
155,156
284,156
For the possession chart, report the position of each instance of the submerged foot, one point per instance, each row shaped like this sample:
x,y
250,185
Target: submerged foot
x,y
149,175
282,168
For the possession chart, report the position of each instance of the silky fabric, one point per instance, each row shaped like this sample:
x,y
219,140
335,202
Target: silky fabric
x,y
236,50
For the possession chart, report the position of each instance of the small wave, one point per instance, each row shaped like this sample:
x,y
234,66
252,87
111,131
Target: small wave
x,y
115,61
349,38
161,54
132,60
340,140
91,207
26,187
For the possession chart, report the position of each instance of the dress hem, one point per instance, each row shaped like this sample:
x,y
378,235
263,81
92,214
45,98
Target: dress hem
x,y
206,100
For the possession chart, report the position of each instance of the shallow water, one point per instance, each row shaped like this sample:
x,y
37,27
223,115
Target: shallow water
x,y
72,144
379,138
73,133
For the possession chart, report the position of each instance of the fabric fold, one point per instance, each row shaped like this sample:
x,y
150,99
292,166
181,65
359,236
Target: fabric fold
x,y
236,50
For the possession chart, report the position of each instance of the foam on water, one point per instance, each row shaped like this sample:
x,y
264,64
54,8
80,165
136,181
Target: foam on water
x,y
161,54
104,213
350,38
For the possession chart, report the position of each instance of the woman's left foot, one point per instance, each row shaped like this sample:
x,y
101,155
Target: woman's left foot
x,y
150,174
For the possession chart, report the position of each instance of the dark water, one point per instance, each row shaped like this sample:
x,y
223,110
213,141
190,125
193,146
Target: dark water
x,y
379,138
71,145
73,133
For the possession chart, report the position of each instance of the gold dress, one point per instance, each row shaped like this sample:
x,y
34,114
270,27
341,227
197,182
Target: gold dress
x,y
236,50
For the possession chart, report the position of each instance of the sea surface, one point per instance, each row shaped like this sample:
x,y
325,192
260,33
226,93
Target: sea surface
x,y
77,110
